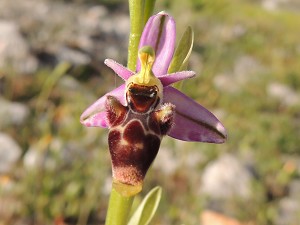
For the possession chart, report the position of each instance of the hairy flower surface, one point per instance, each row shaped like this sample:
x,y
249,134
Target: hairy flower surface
x,y
146,107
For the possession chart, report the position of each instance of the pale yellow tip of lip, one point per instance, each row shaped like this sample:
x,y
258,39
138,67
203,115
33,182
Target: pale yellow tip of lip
x,y
127,190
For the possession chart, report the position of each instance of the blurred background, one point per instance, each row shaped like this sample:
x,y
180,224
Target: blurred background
x,y
55,171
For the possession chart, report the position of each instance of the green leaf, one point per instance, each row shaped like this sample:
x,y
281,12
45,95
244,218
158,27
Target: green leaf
x,y
146,210
182,52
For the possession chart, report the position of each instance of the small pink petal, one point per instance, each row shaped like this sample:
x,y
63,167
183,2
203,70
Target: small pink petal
x,y
168,79
192,121
160,34
95,115
119,69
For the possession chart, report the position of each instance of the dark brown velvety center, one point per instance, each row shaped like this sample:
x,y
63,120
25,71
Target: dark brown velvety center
x,y
142,98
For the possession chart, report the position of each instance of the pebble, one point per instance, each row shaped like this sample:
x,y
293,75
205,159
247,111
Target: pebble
x,y
288,211
73,56
226,178
289,206
10,152
294,189
14,49
277,5
12,113
283,93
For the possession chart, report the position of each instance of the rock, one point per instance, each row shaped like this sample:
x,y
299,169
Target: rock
x,y
10,152
110,37
118,25
72,55
69,83
277,5
39,159
90,20
294,188
227,178
38,156
14,50
271,5
288,211
12,113
284,94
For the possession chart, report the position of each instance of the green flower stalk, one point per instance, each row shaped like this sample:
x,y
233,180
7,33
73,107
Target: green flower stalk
x,y
136,10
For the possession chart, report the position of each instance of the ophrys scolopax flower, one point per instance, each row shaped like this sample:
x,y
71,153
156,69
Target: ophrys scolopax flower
x,y
144,109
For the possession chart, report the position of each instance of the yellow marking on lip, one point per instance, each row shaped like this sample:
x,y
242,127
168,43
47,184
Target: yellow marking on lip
x,y
145,77
147,58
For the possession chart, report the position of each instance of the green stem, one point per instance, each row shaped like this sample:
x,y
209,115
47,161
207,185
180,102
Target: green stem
x,y
149,7
118,208
136,11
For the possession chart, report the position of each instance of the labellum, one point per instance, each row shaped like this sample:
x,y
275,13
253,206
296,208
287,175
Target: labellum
x,y
136,130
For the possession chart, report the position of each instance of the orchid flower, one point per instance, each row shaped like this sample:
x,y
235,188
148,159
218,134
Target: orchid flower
x,y
145,108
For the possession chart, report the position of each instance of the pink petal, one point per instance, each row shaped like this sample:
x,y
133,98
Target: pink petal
x,y
192,121
168,79
95,115
160,33
119,69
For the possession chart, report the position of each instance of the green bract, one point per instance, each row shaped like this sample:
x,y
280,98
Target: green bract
x,y
146,210
182,52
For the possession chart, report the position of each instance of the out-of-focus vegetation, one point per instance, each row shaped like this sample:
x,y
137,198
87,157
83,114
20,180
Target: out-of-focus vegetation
x,y
248,64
